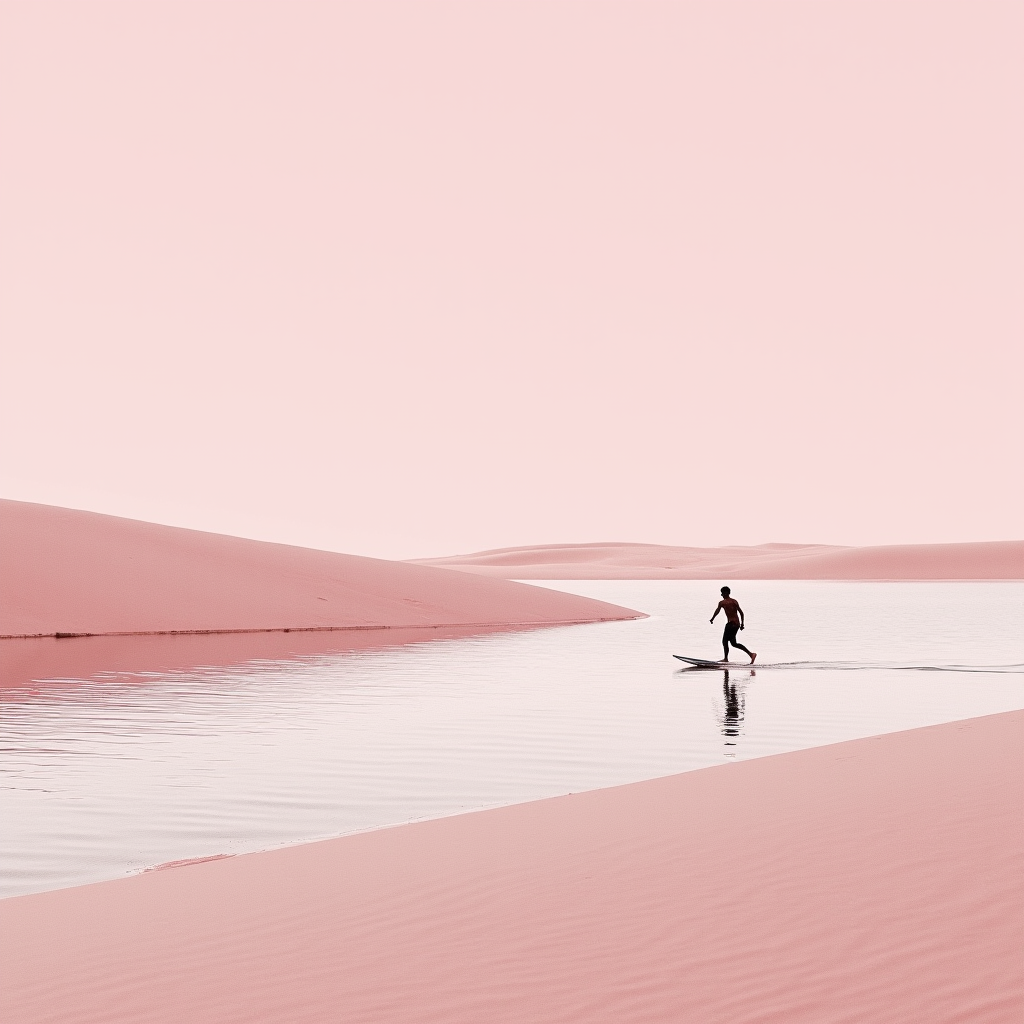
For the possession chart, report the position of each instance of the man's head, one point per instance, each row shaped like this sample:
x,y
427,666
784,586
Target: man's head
x,y
726,591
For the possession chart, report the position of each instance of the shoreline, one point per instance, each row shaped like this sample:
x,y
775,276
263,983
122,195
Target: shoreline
x,y
503,626
802,887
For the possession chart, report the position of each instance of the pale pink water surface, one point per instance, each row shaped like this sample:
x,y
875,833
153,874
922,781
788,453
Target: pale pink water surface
x,y
119,772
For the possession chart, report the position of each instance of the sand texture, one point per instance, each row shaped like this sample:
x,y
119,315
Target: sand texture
x,y
990,560
65,571
878,880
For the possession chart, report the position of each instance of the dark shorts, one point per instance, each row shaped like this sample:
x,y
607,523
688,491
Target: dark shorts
x,y
731,629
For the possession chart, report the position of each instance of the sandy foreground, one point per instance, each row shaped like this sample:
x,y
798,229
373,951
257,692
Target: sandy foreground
x,y
71,572
992,560
874,880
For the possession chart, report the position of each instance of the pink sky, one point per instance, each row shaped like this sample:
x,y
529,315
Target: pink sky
x,y
414,278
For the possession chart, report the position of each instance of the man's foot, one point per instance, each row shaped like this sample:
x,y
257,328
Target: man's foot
x,y
752,657
724,661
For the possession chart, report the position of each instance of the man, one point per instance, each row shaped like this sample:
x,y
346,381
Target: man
x,y
734,623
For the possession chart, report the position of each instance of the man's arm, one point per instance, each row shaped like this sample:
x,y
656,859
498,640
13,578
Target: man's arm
x,y
717,610
740,610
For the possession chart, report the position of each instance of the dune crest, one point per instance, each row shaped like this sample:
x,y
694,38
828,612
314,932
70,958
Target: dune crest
x,y
64,571
986,560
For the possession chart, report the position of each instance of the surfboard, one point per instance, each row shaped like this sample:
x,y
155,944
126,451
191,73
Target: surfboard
x,y
703,662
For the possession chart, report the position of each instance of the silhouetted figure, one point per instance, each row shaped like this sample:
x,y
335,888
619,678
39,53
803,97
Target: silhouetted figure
x,y
734,623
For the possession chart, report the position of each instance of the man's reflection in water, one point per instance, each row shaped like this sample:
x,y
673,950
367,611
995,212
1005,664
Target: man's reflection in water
x,y
733,710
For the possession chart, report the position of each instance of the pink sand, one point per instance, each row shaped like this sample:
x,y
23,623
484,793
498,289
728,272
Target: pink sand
x,y
990,560
873,881
65,571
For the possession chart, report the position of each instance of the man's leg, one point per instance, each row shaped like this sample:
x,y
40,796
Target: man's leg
x,y
749,654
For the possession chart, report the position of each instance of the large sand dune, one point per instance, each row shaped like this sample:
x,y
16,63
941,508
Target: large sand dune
x,y
993,560
873,881
65,571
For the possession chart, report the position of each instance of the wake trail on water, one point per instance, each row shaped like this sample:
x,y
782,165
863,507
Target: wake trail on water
x,y
861,666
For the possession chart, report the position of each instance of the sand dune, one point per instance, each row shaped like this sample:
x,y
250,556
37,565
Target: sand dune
x,y
804,888
993,560
65,571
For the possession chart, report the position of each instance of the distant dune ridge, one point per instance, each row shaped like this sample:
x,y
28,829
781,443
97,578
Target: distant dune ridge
x,y
987,560
66,571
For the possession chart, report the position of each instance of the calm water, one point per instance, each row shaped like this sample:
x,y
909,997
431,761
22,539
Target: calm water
x,y
111,776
